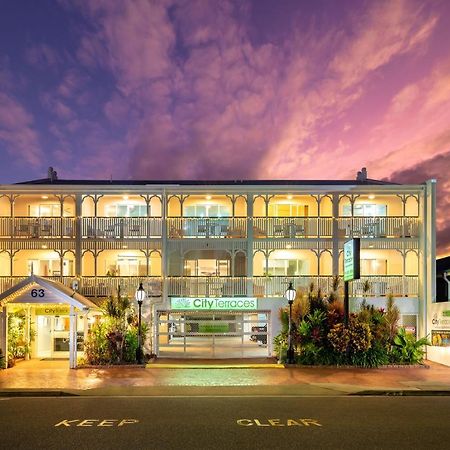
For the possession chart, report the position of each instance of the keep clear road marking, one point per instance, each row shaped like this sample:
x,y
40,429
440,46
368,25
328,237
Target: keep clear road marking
x,y
95,422
278,422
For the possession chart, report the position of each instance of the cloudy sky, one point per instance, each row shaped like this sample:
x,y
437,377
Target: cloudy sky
x,y
217,89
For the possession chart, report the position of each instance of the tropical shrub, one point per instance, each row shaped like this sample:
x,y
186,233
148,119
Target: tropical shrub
x,y
114,339
372,338
2,360
408,350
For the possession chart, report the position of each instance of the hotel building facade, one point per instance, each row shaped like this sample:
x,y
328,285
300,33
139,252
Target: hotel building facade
x,y
215,258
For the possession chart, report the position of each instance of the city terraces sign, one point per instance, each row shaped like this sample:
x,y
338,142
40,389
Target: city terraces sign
x,y
220,303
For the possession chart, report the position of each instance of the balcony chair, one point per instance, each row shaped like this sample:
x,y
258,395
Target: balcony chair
x,y
235,233
23,229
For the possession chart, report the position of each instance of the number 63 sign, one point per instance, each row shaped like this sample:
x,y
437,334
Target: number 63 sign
x,y
37,293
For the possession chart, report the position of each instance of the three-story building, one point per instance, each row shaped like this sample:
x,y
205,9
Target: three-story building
x,y
216,257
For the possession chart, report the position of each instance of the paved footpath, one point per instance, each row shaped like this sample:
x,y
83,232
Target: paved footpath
x,y
54,375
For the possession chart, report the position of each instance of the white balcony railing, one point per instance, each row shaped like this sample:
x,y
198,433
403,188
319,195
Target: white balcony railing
x,y
121,227
378,227
37,227
292,227
207,227
274,286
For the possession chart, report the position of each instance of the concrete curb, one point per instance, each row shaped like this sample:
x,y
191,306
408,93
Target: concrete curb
x,y
214,366
387,367
404,393
36,393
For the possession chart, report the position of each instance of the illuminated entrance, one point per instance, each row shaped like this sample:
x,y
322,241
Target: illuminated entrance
x,y
53,318
213,334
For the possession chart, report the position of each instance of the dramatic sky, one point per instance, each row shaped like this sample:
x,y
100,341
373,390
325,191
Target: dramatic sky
x,y
227,89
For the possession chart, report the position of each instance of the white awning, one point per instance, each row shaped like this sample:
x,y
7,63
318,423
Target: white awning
x,y
38,290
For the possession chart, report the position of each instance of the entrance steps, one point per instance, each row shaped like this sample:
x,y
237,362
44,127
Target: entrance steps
x,y
195,363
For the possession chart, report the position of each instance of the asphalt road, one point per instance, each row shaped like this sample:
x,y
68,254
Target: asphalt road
x,y
225,423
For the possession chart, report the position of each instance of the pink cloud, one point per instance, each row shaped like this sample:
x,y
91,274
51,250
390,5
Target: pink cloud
x,y
17,130
42,56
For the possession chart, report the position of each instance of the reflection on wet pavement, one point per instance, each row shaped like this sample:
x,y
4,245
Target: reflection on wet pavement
x,y
56,375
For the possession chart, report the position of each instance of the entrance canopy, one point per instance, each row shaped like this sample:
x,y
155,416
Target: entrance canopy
x,y
38,290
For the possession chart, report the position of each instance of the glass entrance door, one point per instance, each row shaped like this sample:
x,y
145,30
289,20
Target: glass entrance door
x,y
53,336
213,334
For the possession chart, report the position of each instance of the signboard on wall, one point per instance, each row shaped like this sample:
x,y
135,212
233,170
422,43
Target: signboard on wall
x,y
219,303
352,260
440,338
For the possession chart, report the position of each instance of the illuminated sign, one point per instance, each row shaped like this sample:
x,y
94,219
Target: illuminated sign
x,y
220,303
351,260
52,310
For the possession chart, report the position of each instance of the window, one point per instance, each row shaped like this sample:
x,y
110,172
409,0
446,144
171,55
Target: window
x,y
207,267
285,267
127,266
365,210
126,210
373,267
288,210
50,267
206,211
45,210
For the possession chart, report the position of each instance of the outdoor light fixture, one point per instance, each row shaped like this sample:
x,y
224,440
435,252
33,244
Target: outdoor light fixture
x,y
371,197
208,197
289,197
139,296
290,296
44,197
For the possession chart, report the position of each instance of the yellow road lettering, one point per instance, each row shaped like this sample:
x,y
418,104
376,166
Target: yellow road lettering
x,y
87,422
308,422
292,422
245,422
127,421
66,423
107,423
275,422
259,424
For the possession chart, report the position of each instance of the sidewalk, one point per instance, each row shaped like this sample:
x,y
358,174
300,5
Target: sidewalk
x,y
55,375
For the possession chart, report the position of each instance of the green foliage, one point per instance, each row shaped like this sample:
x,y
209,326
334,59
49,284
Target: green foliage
x,y
372,338
408,350
18,344
283,314
280,346
374,356
392,318
2,360
114,340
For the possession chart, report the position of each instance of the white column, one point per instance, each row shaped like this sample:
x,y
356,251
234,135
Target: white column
x,y
4,332
72,338
249,245
335,249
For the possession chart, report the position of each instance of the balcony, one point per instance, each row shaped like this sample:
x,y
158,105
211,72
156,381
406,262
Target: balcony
x,y
379,286
292,227
207,286
37,227
276,286
379,227
121,227
98,286
207,227
105,286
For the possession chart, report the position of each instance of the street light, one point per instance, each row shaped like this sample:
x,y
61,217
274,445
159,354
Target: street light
x,y
139,296
290,295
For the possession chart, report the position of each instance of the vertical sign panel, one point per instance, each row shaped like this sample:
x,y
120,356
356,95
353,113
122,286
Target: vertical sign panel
x,y
351,260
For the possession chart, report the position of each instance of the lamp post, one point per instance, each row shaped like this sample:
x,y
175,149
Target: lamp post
x,y
139,296
290,295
